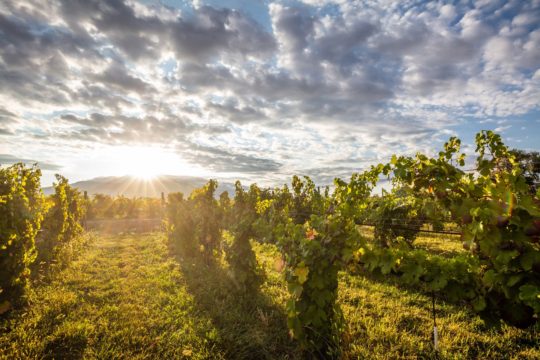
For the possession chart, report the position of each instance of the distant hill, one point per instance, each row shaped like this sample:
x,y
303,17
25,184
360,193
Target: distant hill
x,y
134,187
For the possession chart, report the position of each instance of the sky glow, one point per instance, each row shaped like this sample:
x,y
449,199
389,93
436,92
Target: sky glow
x,y
260,90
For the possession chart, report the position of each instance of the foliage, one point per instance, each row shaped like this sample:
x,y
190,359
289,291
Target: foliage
x,y
306,199
499,218
239,254
396,218
456,279
314,252
62,223
181,225
225,206
272,209
529,162
317,234
194,224
207,218
102,206
21,203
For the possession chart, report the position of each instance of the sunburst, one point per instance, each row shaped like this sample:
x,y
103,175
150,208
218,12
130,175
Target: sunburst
x,y
146,162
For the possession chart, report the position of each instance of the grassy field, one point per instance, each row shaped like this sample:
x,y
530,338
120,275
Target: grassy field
x,y
126,297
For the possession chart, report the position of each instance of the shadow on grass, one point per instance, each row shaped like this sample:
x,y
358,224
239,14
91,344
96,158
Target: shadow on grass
x,y
420,297
66,347
250,325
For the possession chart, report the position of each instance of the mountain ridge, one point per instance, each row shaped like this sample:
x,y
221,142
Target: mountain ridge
x,y
131,186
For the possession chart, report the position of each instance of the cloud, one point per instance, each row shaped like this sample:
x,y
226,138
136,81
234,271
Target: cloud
x,y
117,129
328,78
216,33
8,121
235,113
116,76
221,160
7,159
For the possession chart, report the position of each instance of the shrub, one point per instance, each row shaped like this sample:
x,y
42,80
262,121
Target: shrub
x,y
62,224
181,226
21,205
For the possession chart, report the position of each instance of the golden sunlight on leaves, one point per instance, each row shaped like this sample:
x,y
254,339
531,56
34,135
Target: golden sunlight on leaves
x,y
302,273
311,233
279,264
187,352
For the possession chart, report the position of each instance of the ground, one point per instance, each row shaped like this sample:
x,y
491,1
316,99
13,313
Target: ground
x,y
127,297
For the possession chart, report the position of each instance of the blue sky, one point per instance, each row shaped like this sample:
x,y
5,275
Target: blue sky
x,y
260,90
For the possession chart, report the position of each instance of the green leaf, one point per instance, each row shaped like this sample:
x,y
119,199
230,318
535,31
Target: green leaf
x,y
439,283
505,257
479,303
386,264
529,293
490,278
295,289
528,259
514,279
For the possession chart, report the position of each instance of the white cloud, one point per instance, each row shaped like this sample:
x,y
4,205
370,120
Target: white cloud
x,y
345,84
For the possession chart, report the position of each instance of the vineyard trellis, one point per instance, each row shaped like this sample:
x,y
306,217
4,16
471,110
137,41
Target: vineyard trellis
x,y
492,207
33,227
318,234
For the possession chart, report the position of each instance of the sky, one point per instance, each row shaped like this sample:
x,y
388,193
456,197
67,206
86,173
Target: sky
x,y
260,90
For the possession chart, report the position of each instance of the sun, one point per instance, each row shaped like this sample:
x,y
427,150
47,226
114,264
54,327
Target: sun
x,y
146,162
144,175
143,162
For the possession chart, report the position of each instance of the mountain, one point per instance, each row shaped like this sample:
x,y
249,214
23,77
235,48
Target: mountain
x,y
135,187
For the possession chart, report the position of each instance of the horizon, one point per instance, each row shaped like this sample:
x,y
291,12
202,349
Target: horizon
x,y
259,91
131,186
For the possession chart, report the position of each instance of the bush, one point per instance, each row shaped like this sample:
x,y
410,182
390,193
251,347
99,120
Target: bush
x,y
21,204
207,217
181,226
240,256
394,219
62,223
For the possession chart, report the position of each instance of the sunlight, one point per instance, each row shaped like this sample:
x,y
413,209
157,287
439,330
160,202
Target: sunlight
x,y
145,162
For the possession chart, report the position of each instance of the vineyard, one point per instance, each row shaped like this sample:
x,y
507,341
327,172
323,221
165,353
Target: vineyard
x,y
445,262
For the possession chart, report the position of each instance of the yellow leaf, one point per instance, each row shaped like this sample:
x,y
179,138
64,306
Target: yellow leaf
x,y
302,274
187,352
279,264
359,253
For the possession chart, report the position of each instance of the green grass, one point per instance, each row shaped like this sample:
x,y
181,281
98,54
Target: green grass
x,y
387,321
442,244
126,297
446,245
